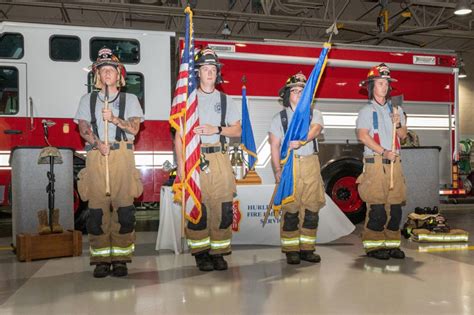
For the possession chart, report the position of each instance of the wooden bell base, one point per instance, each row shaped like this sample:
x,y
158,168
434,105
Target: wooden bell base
x,y
34,246
251,178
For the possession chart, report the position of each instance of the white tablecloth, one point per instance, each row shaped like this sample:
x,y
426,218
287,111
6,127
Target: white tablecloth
x,y
251,203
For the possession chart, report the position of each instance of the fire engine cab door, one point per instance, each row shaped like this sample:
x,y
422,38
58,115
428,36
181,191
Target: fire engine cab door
x,y
15,123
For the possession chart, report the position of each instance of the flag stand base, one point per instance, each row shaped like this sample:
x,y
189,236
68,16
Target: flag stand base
x,y
251,178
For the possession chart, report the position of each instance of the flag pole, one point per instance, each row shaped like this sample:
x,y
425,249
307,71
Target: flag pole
x,y
270,206
183,151
183,188
242,171
332,30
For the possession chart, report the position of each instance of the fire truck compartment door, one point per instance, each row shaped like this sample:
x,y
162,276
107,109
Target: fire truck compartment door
x,y
15,120
13,90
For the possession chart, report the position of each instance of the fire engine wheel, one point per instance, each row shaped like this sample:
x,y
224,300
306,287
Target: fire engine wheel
x,y
340,182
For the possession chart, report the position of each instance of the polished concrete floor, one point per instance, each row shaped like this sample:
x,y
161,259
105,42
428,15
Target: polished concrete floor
x,y
431,280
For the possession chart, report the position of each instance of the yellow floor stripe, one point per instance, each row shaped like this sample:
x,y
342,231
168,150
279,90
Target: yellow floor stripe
x,y
445,249
6,248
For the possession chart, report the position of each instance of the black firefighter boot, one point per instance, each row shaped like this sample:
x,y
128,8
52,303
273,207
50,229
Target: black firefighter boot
x,y
101,270
382,254
396,253
219,262
203,261
119,269
310,256
293,258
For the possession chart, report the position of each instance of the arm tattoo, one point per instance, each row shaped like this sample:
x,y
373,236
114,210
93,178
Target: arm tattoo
x,y
132,125
85,130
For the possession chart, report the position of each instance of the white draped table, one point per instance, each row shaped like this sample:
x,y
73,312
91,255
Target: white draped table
x,y
250,205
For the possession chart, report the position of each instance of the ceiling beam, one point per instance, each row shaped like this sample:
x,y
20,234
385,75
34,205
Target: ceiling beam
x,y
198,13
247,19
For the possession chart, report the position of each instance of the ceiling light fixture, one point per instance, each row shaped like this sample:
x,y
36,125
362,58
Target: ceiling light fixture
x,y
226,30
463,7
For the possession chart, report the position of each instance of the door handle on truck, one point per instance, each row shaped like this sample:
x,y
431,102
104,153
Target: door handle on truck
x,y
12,132
32,123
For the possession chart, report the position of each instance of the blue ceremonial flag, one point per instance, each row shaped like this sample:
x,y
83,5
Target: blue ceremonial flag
x,y
298,131
248,141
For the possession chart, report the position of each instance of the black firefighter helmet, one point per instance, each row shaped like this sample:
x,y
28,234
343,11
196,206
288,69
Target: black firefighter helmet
x,y
298,79
105,57
207,56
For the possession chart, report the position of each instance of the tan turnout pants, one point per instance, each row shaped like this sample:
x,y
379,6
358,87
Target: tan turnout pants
x,y
213,231
111,222
384,211
300,218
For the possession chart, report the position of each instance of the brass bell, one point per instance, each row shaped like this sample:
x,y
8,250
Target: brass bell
x,y
236,158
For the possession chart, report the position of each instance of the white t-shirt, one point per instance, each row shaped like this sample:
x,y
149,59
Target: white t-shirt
x,y
132,109
209,108
365,121
276,128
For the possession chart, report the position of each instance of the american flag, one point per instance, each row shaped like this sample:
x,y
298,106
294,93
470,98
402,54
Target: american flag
x,y
184,118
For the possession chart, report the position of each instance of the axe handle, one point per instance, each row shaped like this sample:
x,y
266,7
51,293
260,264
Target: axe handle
x,y
394,137
270,205
106,134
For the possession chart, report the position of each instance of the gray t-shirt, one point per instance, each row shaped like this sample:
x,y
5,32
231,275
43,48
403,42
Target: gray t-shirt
x,y
132,109
276,128
209,107
365,121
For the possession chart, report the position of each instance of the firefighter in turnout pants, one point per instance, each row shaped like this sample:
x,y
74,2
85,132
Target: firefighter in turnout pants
x,y
299,220
209,239
381,235
111,221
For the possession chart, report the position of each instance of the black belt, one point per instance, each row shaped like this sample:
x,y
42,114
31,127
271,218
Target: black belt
x,y
210,149
372,160
113,146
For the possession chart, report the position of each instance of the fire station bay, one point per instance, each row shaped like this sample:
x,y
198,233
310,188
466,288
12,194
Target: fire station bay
x,y
236,157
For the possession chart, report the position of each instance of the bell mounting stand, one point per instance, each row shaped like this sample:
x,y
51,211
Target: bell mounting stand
x,y
51,191
51,177
46,124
